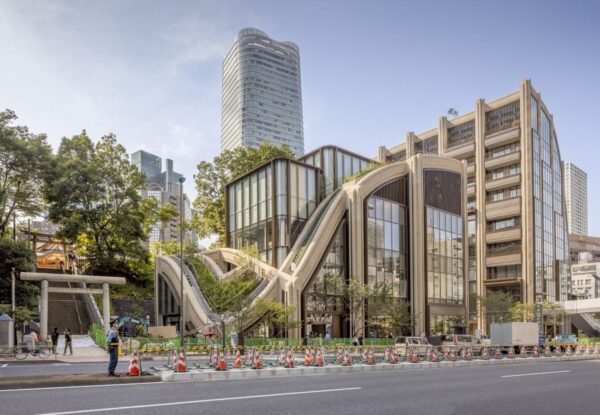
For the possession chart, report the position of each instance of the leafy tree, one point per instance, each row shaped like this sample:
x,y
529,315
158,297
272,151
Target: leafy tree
x,y
16,254
496,306
212,178
522,312
24,159
94,194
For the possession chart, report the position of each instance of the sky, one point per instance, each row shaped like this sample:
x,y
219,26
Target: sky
x,y
150,71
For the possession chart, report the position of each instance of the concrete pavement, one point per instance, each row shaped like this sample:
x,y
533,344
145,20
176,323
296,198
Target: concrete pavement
x,y
537,388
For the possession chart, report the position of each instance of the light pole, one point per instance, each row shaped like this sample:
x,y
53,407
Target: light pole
x,y
181,305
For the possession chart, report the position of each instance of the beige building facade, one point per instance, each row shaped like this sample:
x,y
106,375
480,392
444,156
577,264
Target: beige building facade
x,y
516,209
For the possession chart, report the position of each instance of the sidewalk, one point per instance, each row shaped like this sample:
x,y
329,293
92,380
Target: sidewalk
x,y
84,350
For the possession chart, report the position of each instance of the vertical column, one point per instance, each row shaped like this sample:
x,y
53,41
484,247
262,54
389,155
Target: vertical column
x,y
442,135
105,306
44,312
410,144
480,204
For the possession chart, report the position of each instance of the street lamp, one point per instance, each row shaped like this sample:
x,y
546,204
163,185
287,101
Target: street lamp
x,y
181,305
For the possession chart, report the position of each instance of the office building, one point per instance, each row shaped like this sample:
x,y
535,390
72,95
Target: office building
x,y
517,228
576,199
262,93
164,187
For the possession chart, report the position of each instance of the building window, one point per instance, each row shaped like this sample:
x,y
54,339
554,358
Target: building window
x,y
461,134
502,118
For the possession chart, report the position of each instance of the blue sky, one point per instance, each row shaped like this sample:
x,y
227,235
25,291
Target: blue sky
x,y
151,71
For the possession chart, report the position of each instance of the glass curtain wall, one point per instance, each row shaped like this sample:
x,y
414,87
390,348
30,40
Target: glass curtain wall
x,y
269,207
324,308
387,237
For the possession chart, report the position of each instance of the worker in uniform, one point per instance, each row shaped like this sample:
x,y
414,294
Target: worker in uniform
x,y
112,344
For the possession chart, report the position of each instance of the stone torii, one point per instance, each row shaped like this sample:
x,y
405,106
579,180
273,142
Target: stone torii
x,y
88,279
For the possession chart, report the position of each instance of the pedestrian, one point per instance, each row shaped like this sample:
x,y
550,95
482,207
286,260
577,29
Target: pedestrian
x,y
112,344
360,340
355,341
234,339
327,335
305,340
54,337
68,342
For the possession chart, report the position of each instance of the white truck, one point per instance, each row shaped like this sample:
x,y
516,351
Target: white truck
x,y
517,335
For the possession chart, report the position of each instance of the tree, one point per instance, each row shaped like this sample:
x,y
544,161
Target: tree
x,y
212,178
522,312
452,112
94,193
496,306
16,254
24,159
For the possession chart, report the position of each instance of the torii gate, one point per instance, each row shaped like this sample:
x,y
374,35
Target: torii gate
x,y
88,279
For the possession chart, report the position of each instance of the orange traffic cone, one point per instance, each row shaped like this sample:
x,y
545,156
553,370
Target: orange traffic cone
x,y
433,356
134,365
446,355
523,353
181,366
370,358
427,354
306,357
319,358
569,351
347,359
498,353
313,357
484,354
290,359
238,360
249,357
547,352
222,363
453,355
511,352
281,361
469,354
365,355
393,357
414,356
257,362
536,351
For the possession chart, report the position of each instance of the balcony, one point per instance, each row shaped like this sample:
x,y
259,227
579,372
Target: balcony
x,y
503,137
503,208
503,182
461,151
471,190
470,169
492,163
503,257
512,233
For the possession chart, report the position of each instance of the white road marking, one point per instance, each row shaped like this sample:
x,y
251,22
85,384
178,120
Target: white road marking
x,y
61,364
233,398
536,374
109,385
5,364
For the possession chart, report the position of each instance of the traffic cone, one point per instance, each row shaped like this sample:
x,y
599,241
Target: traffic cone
x,y
306,357
347,358
453,356
557,351
365,355
313,357
249,357
569,351
393,357
497,353
290,359
547,352
446,356
469,354
370,358
134,365
281,360
222,363
339,356
320,358
215,358
536,351
427,355
238,360
485,354
181,366
511,352
433,356
596,348
257,362
523,353
386,354
414,356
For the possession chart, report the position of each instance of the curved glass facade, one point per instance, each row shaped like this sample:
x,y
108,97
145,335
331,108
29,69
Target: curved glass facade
x,y
262,93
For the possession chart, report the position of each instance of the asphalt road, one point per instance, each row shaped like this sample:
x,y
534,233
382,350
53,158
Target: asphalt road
x,y
46,367
541,388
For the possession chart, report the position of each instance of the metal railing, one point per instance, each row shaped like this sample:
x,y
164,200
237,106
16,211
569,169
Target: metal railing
x,y
491,227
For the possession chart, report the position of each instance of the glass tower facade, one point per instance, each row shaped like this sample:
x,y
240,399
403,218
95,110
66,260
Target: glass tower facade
x,y
262,93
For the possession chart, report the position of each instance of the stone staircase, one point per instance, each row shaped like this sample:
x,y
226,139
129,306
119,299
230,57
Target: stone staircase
x,y
67,311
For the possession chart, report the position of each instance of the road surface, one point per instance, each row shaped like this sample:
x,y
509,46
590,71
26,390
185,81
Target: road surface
x,y
540,388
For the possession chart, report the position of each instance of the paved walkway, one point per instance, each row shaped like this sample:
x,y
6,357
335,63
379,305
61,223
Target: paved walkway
x,y
84,350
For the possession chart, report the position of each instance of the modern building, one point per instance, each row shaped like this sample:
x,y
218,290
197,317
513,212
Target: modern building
x,y
576,199
585,278
584,245
262,93
164,187
517,226
401,225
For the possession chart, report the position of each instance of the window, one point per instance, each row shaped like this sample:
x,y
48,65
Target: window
x,y
502,118
461,134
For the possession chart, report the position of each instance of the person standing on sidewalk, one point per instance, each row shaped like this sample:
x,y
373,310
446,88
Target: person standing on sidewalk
x,y
54,337
112,343
68,342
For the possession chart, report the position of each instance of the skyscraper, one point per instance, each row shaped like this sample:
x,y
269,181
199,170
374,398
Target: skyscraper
x,y
576,198
262,93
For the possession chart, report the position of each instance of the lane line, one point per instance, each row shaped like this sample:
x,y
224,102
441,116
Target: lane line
x,y
4,365
233,398
536,374
110,385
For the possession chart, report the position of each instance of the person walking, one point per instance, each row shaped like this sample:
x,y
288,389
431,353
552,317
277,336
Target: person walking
x,y
54,337
112,344
68,342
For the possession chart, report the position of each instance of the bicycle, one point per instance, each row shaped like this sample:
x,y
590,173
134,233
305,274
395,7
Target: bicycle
x,y
22,351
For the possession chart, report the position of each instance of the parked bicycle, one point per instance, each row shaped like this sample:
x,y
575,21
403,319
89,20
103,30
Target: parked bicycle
x,y
22,351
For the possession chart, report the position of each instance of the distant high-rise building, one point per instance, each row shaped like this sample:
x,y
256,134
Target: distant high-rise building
x,y
164,187
576,199
262,93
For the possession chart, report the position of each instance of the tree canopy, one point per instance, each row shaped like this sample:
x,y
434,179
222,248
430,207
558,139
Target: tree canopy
x,y
16,254
94,193
24,159
212,178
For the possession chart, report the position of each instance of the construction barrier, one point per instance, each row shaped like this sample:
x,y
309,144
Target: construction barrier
x,y
134,365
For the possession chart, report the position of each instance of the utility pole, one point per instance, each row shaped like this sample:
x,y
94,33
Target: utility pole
x,y
13,278
181,305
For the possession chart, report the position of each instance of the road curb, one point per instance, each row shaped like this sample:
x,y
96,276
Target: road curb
x,y
26,382
208,374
